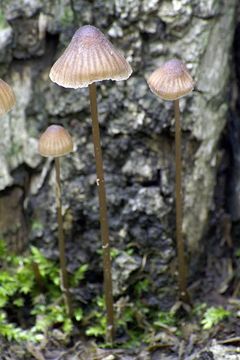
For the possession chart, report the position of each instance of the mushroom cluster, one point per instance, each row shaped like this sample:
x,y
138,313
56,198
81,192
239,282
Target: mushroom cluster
x,y
90,57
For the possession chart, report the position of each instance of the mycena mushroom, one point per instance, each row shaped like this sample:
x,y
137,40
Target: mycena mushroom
x,y
172,81
90,57
56,142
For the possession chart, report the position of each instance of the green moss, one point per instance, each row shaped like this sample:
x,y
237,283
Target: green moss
x,y
213,316
31,283
18,283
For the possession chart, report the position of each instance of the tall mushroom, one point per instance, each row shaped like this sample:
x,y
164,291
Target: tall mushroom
x,y
172,81
56,142
7,98
90,57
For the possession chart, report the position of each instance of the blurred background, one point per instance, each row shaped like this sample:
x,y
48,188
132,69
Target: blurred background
x,y
137,132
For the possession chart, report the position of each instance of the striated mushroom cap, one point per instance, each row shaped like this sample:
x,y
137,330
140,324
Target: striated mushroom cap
x,y
55,141
88,58
171,80
7,97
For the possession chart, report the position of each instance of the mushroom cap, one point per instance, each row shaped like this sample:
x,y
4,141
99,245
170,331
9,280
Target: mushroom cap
x,y
171,80
7,97
55,141
88,58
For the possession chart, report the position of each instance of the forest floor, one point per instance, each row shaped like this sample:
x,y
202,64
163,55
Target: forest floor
x,y
219,340
220,344
207,330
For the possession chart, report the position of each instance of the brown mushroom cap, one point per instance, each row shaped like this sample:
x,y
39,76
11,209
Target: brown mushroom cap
x,y
88,58
7,97
171,80
55,141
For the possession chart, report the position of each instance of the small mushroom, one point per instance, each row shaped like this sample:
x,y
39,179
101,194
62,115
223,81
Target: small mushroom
x,y
171,81
90,57
7,97
56,142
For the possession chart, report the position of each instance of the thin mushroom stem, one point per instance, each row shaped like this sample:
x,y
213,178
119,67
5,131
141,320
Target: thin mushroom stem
x,y
182,266
61,242
107,271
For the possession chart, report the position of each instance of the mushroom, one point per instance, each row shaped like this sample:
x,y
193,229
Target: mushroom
x,y
7,97
90,57
171,81
56,142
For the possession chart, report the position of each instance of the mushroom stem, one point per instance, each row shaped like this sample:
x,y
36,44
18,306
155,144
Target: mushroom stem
x,y
61,242
107,271
182,266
